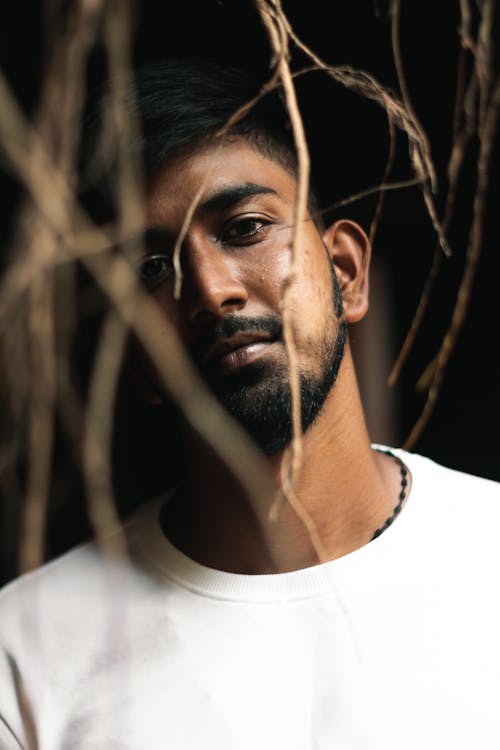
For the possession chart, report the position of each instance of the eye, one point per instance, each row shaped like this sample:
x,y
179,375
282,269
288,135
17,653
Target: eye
x,y
154,269
244,230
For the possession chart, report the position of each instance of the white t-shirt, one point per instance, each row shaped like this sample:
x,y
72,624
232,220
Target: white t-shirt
x,y
395,646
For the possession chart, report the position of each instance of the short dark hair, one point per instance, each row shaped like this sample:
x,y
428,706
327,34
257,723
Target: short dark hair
x,y
178,105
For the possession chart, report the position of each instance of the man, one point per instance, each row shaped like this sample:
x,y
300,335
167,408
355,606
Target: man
x,y
219,632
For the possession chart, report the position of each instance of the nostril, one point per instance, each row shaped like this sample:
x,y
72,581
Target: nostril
x,y
237,302
208,313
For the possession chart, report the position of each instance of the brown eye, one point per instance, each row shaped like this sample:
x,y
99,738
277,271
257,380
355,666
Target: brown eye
x,y
243,229
153,269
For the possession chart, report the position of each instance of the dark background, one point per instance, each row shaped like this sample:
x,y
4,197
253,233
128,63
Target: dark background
x,y
349,144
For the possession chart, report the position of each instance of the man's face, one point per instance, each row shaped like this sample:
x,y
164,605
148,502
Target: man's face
x,y
235,260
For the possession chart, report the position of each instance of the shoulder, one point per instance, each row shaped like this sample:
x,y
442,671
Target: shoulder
x,y
451,511
74,593
432,477
56,584
448,509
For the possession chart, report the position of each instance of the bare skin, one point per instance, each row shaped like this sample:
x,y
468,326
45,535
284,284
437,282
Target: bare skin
x,y
235,260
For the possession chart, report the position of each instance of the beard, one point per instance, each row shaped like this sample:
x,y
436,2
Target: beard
x,y
261,402
259,395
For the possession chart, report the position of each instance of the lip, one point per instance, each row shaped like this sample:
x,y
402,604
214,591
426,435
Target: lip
x,y
236,351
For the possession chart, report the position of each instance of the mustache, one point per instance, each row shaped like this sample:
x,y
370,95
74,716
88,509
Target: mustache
x,y
230,326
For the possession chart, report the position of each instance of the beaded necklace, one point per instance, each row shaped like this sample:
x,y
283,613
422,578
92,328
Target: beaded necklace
x,y
402,494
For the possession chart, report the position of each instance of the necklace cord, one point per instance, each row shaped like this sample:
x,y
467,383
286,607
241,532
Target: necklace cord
x,y
402,493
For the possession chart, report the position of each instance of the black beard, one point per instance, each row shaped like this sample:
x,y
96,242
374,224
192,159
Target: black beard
x,y
259,396
260,400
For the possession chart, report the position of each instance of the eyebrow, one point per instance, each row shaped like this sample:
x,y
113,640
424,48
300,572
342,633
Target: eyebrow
x,y
232,195
220,200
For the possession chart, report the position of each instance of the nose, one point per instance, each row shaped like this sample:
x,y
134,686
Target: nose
x,y
212,285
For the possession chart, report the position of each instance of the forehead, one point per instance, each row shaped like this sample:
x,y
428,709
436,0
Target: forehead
x,y
211,170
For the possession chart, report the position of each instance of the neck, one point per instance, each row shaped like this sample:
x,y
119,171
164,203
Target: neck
x,y
342,492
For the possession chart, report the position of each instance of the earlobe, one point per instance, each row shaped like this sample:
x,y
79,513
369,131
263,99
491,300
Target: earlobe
x,y
350,251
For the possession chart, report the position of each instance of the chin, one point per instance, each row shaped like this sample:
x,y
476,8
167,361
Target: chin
x,y
258,396
263,408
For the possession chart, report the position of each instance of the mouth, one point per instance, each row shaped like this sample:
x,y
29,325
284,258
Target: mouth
x,y
236,352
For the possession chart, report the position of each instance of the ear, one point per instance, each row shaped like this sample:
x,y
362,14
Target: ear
x,y
350,251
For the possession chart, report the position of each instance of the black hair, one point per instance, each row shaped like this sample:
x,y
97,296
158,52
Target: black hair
x,y
177,106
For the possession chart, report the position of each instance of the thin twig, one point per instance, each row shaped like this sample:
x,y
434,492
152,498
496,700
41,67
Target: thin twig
x,y
277,27
279,43
98,437
67,57
42,397
382,188
460,139
459,313
427,187
385,177
138,311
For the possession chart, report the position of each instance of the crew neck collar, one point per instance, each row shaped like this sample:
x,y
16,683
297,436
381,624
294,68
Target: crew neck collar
x,y
157,551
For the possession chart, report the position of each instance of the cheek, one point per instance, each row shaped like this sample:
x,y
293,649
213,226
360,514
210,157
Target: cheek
x,y
266,274
271,271
311,293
